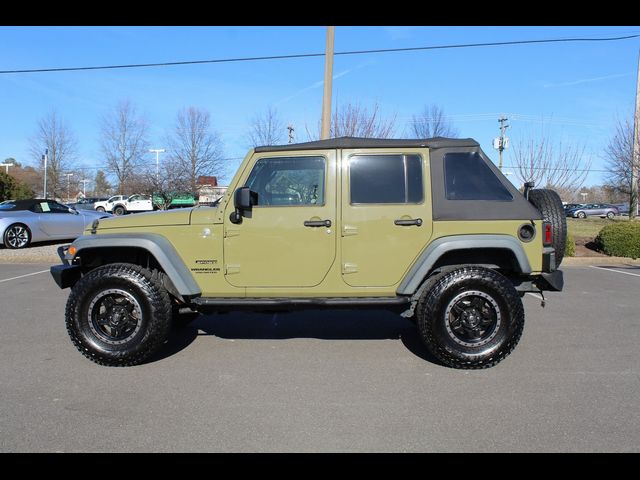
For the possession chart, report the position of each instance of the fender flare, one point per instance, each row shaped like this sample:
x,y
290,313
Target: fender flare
x,y
425,262
157,245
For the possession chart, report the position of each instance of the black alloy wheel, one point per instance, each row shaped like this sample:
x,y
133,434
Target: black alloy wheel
x,y
119,314
470,317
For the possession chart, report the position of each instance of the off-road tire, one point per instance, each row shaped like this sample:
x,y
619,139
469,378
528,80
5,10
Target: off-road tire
x,y
550,205
496,296
140,292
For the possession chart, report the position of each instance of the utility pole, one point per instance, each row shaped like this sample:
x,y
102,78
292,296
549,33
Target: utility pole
x,y
635,164
291,130
157,151
45,157
502,142
6,166
328,86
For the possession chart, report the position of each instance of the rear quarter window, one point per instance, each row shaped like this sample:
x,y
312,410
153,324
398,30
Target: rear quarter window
x,y
467,177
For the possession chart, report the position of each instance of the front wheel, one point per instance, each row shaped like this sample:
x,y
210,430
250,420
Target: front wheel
x,y
100,209
582,215
119,314
610,215
471,318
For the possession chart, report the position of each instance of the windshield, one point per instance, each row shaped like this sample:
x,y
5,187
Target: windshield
x,y
7,205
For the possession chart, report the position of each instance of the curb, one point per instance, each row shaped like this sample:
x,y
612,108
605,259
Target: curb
x,y
31,259
578,261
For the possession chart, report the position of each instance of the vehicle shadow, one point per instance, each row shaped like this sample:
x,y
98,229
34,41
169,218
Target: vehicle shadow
x,y
323,325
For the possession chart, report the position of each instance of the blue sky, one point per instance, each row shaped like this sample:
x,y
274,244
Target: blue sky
x,y
574,91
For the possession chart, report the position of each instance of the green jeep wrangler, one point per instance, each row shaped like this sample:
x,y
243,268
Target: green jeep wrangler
x,y
428,228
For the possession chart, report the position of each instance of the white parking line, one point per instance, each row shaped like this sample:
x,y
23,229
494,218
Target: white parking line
x,y
535,295
22,276
616,271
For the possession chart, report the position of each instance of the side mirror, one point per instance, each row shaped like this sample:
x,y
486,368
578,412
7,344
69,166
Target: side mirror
x,y
243,200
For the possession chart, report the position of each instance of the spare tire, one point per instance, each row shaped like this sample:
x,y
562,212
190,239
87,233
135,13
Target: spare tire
x,y
550,206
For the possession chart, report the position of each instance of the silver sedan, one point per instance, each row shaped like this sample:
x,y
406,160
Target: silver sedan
x,y
37,220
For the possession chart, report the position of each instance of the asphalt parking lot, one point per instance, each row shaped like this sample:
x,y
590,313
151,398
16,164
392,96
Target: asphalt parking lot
x,y
326,381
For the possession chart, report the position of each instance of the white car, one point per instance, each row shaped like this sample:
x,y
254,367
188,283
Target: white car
x,y
121,204
107,205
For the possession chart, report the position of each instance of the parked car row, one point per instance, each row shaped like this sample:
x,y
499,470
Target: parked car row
x,y
37,220
584,210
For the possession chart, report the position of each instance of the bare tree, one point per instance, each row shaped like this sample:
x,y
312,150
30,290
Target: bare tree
x,y
551,165
53,135
195,149
124,142
432,122
619,156
267,129
356,120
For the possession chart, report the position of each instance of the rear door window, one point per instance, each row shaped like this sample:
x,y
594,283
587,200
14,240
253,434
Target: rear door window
x,y
384,179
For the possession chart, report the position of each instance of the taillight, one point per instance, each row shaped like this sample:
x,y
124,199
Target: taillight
x,y
548,234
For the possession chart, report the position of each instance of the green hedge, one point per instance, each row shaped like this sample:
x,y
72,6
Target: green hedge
x,y
620,239
570,247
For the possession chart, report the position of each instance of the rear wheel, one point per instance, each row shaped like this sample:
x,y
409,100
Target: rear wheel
x,y
119,314
471,318
610,215
119,210
100,209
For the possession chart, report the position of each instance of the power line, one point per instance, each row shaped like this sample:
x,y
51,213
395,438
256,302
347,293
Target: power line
x,y
309,55
556,169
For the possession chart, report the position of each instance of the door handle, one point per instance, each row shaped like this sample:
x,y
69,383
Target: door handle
x,y
407,223
317,223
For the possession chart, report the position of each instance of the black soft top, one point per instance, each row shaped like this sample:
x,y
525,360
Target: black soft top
x,y
17,205
357,142
444,208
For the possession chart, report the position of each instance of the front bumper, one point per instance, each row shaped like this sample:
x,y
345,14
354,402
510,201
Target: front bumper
x,y
65,275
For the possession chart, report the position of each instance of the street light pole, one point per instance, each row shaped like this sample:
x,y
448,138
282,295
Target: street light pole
x,y
84,187
45,157
157,151
69,175
6,166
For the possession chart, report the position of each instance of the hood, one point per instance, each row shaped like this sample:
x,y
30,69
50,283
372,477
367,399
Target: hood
x,y
148,219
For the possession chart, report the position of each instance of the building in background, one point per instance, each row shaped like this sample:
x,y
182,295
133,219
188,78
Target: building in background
x,y
208,189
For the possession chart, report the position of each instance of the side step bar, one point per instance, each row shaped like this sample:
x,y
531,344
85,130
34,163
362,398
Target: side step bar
x,y
333,302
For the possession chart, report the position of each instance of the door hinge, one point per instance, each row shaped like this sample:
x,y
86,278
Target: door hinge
x,y
230,269
349,268
231,232
348,230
